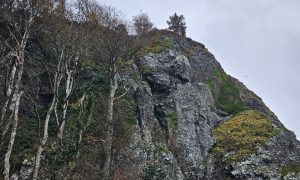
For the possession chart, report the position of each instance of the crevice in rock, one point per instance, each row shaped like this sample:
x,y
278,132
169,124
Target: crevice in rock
x,y
139,112
159,113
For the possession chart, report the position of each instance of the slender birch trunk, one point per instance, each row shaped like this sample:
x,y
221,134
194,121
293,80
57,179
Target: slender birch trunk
x,y
68,91
15,108
12,137
110,130
8,92
44,140
81,116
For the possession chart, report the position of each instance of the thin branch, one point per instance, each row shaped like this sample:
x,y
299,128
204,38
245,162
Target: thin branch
x,y
122,95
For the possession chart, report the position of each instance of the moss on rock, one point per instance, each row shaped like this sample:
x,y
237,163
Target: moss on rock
x,y
172,119
242,135
156,45
227,97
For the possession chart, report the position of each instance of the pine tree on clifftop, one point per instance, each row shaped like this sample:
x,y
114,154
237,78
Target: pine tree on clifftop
x,y
177,24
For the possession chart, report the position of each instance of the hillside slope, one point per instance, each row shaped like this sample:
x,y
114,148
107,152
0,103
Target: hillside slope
x,y
182,118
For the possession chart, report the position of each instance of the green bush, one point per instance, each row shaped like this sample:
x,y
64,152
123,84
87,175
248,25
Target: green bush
x,y
242,135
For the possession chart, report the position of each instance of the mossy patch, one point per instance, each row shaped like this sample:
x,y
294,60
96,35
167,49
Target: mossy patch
x,y
157,45
172,119
290,168
242,135
164,149
212,87
146,69
227,98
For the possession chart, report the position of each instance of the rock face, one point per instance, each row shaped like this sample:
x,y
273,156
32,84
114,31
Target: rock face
x,y
26,170
177,112
183,109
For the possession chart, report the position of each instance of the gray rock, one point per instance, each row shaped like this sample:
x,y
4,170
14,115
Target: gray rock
x,y
26,170
177,80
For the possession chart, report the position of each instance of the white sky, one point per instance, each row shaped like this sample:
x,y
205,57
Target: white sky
x,y
256,41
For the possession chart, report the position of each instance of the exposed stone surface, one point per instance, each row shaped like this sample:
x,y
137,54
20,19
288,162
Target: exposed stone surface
x,y
26,170
174,83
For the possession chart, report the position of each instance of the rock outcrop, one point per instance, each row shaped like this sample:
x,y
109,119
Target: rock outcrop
x,y
180,104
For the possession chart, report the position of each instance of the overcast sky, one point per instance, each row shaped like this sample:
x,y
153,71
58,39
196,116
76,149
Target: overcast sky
x,y
256,41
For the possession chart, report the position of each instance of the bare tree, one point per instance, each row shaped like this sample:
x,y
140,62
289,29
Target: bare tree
x,y
112,46
142,23
113,51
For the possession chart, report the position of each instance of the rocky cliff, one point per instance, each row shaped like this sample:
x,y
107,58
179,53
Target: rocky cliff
x,y
196,122
183,118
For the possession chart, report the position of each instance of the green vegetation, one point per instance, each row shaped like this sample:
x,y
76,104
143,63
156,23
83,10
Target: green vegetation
x,y
127,105
212,87
154,171
177,24
61,157
172,119
157,45
228,97
87,64
164,149
290,168
146,69
242,135
25,146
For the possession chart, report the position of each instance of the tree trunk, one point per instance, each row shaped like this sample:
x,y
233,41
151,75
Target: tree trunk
x,y
12,137
8,91
44,140
80,119
110,130
69,88
15,108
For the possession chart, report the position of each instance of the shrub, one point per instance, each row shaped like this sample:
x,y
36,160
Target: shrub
x,y
242,135
142,23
